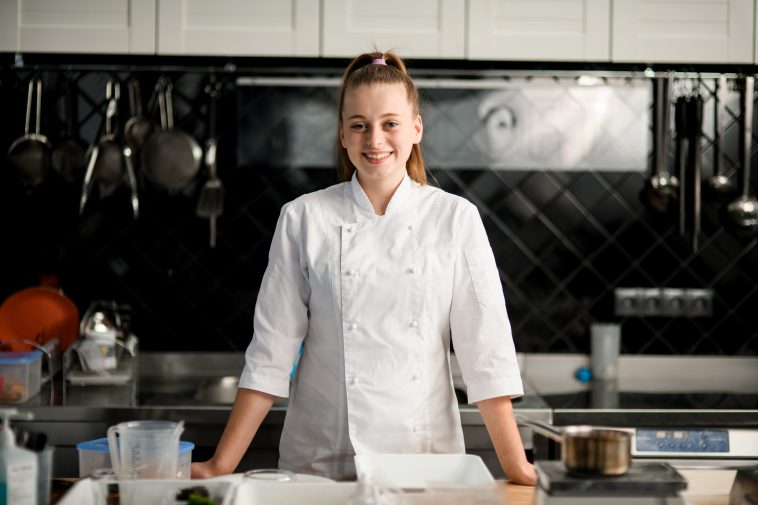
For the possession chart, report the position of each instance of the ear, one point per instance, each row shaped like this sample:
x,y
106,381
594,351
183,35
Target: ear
x,y
418,125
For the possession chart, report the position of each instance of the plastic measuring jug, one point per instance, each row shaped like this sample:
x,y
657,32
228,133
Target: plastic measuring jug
x,y
145,449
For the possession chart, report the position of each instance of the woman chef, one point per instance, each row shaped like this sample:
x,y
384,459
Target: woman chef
x,y
374,276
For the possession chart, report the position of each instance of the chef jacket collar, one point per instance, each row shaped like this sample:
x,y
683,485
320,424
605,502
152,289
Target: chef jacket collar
x,y
397,202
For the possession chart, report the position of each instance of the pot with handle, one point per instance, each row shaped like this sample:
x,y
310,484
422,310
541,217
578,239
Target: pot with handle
x,y
170,157
30,153
587,450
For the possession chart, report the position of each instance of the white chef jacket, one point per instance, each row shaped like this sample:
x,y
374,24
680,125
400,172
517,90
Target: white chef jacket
x,y
375,300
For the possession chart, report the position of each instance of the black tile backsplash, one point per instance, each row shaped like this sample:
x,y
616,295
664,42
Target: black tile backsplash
x,y
563,239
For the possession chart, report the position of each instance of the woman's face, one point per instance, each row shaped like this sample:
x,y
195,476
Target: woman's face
x,y
379,128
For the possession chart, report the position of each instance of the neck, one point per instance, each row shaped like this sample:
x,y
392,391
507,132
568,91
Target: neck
x,y
379,191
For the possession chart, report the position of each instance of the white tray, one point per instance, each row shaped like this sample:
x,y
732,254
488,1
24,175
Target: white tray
x,y
423,471
147,492
283,493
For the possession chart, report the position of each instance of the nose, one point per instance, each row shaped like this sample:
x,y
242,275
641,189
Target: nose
x,y
375,137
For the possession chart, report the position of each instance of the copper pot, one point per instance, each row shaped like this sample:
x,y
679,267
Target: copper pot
x,y
587,450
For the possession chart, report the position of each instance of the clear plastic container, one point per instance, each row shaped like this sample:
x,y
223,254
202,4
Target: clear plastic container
x,y
94,455
20,375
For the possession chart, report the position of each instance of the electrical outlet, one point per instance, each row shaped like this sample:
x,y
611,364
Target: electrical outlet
x,y
627,303
673,302
699,302
649,301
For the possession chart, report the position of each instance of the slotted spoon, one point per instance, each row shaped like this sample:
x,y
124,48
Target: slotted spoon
x,y
210,205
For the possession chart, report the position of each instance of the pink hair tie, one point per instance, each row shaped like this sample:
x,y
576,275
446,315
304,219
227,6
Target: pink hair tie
x,y
379,61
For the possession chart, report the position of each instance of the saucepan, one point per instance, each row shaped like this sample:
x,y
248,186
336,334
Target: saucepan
x,y
587,450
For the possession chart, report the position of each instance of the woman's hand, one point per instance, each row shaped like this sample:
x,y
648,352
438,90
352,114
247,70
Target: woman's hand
x,y
203,470
523,474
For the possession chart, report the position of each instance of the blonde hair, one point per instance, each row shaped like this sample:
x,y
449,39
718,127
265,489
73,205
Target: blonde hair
x,y
361,72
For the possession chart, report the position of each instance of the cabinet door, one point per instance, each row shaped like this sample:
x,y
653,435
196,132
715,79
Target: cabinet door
x,y
698,31
557,30
239,27
413,28
78,26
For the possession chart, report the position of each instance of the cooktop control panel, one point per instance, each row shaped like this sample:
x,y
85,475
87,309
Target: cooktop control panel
x,y
695,442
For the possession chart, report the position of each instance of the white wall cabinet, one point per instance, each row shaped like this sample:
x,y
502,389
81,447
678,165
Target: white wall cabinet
x,y
78,26
640,31
554,30
239,27
413,28
678,31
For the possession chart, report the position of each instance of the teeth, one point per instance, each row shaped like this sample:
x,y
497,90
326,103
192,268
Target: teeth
x,y
377,156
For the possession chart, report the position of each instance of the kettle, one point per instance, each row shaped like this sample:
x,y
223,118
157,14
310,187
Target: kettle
x,y
100,329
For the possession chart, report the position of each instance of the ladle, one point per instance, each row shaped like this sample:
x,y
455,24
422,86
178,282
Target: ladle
x,y
662,186
720,187
743,212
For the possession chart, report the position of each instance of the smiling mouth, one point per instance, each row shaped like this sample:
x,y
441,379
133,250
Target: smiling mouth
x,y
376,156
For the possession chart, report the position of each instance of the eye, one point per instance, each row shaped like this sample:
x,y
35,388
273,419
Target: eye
x,y
392,124
358,126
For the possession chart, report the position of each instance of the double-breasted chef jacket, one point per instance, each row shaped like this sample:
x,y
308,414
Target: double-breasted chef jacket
x,y
375,300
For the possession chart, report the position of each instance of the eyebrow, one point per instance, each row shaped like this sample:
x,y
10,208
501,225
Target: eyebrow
x,y
358,116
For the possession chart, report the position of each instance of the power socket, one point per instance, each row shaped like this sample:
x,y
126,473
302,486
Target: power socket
x,y
650,301
668,302
627,303
673,302
699,302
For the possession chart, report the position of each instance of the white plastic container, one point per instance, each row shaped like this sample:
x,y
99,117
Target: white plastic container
x,y
423,471
95,454
329,493
148,492
21,373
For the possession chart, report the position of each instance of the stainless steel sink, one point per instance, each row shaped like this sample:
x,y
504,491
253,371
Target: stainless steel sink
x,y
222,390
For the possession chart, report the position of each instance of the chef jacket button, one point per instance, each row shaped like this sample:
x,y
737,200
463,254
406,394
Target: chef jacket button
x,y
410,227
354,380
352,327
413,323
350,273
416,428
349,229
411,270
415,377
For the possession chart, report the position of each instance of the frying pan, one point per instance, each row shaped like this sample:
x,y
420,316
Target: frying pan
x,y
170,157
587,450
38,314
30,153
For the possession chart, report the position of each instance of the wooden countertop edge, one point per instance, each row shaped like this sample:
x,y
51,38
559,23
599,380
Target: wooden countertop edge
x,y
512,494
516,494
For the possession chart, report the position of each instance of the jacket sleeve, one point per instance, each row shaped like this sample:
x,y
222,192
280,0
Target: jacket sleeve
x,y
281,312
479,322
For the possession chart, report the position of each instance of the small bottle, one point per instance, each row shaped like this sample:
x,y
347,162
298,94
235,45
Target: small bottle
x,y
18,467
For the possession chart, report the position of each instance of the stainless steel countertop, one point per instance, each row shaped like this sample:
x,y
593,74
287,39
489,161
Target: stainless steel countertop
x,y
89,410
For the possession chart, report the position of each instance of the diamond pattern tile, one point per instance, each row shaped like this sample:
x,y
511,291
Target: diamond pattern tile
x,y
564,236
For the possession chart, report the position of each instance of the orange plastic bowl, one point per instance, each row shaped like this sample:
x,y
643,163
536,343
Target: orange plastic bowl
x,y
38,314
